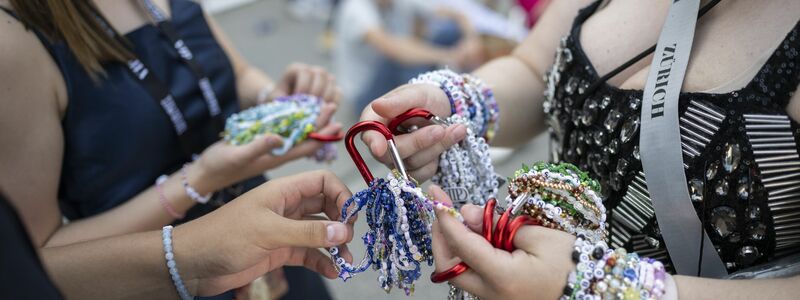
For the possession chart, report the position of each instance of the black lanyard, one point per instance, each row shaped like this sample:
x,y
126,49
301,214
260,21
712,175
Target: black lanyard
x,y
157,89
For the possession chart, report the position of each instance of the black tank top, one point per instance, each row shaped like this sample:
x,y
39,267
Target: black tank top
x,y
740,154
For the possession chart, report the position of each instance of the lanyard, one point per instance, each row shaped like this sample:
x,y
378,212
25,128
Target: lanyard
x,y
660,145
157,89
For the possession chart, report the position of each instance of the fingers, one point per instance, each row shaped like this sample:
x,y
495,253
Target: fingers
x,y
325,114
538,240
426,149
410,96
472,248
473,217
308,234
310,184
259,146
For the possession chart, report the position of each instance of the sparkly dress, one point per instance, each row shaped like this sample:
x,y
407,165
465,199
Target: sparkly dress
x,y
740,152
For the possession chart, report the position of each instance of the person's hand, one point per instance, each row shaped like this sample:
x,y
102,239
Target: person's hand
x,y
223,164
420,149
538,269
469,53
273,225
307,79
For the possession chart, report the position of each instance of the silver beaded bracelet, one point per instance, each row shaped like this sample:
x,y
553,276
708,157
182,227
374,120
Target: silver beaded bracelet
x,y
202,199
166,234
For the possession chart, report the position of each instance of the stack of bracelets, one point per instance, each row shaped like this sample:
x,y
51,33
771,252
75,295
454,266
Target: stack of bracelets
x,y
291,117
399,216
465,170
562,197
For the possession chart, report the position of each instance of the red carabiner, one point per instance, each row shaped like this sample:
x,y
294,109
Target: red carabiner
x,y
359,161
502,237
394,125
326,138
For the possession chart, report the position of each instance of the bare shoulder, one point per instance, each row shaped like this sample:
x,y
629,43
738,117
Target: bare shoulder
x,y
26,68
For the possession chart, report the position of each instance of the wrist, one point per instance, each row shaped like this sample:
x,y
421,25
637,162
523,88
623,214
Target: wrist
x,y
199,178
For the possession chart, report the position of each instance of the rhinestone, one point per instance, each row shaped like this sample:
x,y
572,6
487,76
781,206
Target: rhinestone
x,y
635,104
572,84
582,88
616,181
753,212
711,172
597,164
600,137
653,242
636,152
622,166
756,231
731,157
613,146
696,190
605,102
589,112
722,188
629,129
612,120
567,55
723,220
747,255
743,191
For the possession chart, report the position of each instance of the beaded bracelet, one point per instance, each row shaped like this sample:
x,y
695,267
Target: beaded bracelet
x,y
399,216
290,117
561,196
163,199
166,234
190,191
603,273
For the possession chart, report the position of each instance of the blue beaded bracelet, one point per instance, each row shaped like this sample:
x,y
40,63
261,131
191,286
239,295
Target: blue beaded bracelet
x,y
166,234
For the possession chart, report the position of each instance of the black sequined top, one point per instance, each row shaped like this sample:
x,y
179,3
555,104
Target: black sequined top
x,y
740,153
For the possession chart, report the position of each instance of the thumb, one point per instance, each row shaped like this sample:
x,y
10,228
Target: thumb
x,y
425,96
260,146
310,233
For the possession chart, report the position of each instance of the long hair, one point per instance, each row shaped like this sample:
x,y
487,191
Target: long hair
x,y
75,23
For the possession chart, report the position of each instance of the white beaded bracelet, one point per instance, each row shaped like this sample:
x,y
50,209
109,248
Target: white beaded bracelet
x,y
202,199
166,234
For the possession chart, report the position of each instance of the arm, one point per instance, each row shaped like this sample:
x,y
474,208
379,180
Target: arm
x,y
516,81
406,50
704,288
261,227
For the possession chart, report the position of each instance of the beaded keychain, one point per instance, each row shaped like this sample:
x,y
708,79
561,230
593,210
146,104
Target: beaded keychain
x,y
290,117
399,216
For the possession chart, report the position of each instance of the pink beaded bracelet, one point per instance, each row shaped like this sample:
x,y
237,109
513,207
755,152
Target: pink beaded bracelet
x,y
163,199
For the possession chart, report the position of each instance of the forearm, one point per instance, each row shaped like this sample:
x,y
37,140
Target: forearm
x,y
691,288
518,91
141,213
124,267
412,51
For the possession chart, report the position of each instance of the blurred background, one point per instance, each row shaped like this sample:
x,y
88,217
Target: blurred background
x,y
274,33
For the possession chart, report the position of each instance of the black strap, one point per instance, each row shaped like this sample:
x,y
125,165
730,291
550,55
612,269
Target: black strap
x,y
157,89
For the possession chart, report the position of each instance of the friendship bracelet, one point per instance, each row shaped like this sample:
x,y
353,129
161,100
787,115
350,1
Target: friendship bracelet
x,y
166,234
291,117
190,191
163,199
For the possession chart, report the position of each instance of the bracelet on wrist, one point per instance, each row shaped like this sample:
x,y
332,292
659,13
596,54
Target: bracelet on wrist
x,y
163,199
265,92
172,266
190,191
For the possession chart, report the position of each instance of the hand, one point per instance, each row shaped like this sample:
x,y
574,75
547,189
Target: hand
x,y
223,164
420,149
306,79
538,269
271,226
469,53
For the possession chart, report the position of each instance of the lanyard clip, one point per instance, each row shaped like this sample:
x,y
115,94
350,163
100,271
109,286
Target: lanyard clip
x,y
356,156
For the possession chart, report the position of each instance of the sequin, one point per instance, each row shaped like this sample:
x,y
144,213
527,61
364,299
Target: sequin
x,y
634,104
636,152
711,171
622,166
696,190
723,220
572,84
722,188
731,157
743,191
753,212
600,138
735,237
629,129
747,255
583,86
612,120
756,231
613,146
605,101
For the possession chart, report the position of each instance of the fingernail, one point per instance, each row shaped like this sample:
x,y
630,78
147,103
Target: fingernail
x,y
460,132
336,233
